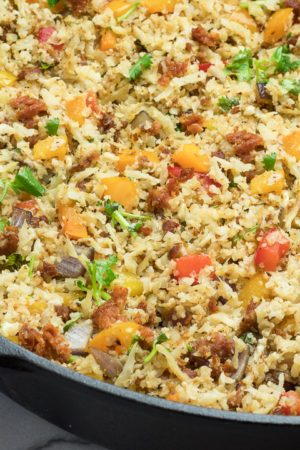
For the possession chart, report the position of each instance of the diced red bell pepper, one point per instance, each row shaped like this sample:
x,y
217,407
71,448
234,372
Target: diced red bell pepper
x,y
189,266
289,403
44,35
92,102
204,66
273,246
28,205
204,179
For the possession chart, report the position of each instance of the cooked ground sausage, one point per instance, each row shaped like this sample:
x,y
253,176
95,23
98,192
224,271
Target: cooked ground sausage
x,y
26,108
244,143
201,35
108,313
170,225
192,124
249,321
9,240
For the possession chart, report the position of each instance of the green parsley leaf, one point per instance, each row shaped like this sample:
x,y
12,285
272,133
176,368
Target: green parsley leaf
x,y
292,86
232,184
226,104
269,161
117,214
4,184
239,237
283,60
134,338
71,322
14,262
45,66
25,181
72,359
137,69
159,340
249,338
190,348
52,3
128,13
90,140
241,66
31,266
52,127
3,223
178,127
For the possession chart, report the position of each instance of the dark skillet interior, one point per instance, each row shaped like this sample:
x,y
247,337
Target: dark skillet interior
x,y
121,419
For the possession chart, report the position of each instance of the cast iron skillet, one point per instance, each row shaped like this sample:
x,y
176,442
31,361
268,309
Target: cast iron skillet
x,y
120,419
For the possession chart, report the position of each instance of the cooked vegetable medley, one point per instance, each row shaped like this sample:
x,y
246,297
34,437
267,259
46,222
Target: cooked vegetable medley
x,y
150,194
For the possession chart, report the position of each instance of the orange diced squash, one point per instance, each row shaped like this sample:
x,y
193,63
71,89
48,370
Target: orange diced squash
x,y
51,147
128,157
118,337
72,224
278,25
291,144
75,109
160,6
108,41
270,181
242,17
121,190
189,156
119,7
255,287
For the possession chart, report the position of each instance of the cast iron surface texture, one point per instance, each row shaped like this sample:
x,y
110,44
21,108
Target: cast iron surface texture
x,y
120,419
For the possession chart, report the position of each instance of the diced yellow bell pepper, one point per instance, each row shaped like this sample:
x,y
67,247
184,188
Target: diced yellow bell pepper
x,y
128,157
37,307
270,181
160,6
291,144
255,287
6,78
189,156
131,281
119,7
121,190
51,147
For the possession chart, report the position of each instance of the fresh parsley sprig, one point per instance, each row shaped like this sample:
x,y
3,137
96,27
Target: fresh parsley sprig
x,y
24,181
52,127
128,13
137,69
117,214
281,57
134,338
52,3
102,276
269,161
292,86
241,66
159,340
71,322
226,104
3,223
239,237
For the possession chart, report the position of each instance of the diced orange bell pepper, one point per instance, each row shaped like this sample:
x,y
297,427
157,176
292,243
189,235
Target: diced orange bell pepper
x,y
108,41
278,25
121,190
189,156
269,181
173,397
291,144
128,157
242,17
51,147
160,6
72,224
118,337
75,109
119,7
255,287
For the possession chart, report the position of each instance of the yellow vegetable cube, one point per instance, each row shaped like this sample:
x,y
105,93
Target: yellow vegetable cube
x,y
75,109
6,78
121,190
189,156
128,157
160,6
255,287
131,281
51,147
291,144
242,17
119,7
271,181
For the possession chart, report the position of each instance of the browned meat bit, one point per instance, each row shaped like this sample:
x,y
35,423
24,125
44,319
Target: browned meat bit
x,y
49,269
188,46
86,162
9,240
212,305
218,154
169,225
146,231
32,140
174,252
201,35
294,39
147,334
155,128
106,122
82,184
244,143
295,4
78,7
249,175
26,108
36,221
28,71
172,69
49,344
235,400
186,320
192,124
63,311
158,199
190,373
108,313
249,321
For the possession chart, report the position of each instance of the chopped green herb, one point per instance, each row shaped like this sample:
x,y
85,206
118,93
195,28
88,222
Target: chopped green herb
x,y
289,35
52,127
159,340
14,262
232,184
190,348
16,149
99,203
254,2
134,338
269,161
249,338
283,61
72,359
31,266
178,127
71,322
226,104
117,214
52,3
261,68
45,66
137,69
239,237
25,181
128,13
183,225
3,223
292,86
4,184
241,66
90,139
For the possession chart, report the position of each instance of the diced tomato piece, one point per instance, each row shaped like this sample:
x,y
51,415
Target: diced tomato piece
x,y
273,246
189,266
28,205
44,35
92,102
175,171
205,66
204,179
289,403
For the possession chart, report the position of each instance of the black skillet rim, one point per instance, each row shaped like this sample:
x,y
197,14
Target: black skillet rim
x,y
13,350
